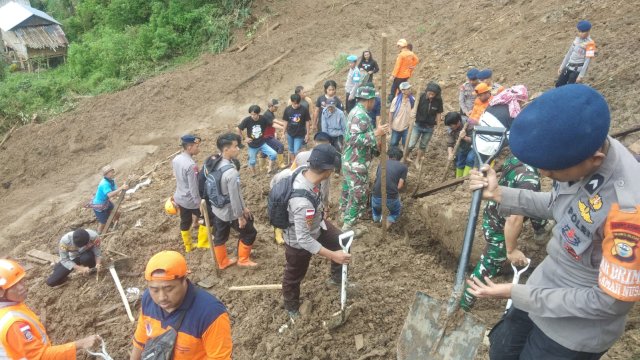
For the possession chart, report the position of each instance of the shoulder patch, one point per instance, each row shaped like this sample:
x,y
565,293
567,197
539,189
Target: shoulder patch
x,y
26,332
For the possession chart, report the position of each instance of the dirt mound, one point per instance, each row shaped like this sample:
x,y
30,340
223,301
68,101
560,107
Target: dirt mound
x,y
49,170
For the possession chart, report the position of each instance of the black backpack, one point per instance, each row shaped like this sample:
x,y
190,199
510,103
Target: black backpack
x,y
212,184
161,347
278,200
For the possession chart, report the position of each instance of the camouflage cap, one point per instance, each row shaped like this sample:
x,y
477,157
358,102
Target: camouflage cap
x,y
365,92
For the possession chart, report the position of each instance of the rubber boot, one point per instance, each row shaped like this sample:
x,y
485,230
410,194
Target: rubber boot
x,y
459,172
280,161
278,235
186,239
419,159
466,170
269,167
221,257
261,164
203,237
244,252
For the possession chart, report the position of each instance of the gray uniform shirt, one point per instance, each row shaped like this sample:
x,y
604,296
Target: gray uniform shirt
x,y
229,185
562,296
186,172
577,55
68,251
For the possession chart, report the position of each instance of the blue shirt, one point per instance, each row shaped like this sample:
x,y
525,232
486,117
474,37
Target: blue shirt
x,y
106,186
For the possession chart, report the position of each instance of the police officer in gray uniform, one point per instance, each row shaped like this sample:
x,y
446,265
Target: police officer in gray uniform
x,y
575,304
310,233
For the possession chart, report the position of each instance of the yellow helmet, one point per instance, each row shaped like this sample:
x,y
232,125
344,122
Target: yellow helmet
x,y
170,207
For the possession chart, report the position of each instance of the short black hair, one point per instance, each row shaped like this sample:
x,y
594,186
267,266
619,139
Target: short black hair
x,y
295,98
395,153
330,83
254,109
80,237
225,140
452,118
298,89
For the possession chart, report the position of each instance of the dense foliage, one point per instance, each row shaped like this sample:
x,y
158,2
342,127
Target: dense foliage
x,y
114,42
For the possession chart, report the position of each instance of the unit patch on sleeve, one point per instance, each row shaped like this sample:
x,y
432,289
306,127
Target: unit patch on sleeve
x,y
26,332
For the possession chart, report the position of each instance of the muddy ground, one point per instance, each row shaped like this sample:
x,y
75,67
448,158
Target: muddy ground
x,y
48,171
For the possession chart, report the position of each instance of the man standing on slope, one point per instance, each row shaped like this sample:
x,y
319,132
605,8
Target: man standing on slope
x,y
405,64
575,304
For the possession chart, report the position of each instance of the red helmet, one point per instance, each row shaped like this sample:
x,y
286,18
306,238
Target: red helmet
x,y
10,273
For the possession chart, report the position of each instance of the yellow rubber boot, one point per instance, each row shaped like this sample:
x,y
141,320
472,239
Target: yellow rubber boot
x,y
261,164
280,161
186,239
459,172
244,252
278,235
221,257
466,170
203,237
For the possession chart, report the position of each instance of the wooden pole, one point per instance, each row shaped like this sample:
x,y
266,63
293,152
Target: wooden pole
x,y
383,139
207,222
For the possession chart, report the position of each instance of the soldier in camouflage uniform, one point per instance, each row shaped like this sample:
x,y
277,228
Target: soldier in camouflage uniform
x,y
515,174
360,147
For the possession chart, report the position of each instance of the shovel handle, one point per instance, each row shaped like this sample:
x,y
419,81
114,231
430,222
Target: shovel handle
x,y
516,279
348,235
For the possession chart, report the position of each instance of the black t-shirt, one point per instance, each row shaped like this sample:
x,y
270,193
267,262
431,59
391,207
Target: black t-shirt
x,y
427,110
395,171
255,129
370,65
296,120
321,102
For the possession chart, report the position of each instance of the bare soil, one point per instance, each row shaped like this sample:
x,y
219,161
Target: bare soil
x,y
49,170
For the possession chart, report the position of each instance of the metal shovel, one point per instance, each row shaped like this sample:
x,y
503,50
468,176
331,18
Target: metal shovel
x,y
433,330
516,279
341,316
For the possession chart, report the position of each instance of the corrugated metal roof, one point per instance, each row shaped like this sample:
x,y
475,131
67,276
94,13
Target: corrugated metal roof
x,y
41,37
13,14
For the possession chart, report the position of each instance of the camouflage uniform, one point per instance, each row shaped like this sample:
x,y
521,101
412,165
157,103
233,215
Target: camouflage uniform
x,y
360,147
515,174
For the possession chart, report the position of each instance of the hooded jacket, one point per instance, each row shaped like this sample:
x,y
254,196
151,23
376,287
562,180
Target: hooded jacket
x,y
428,109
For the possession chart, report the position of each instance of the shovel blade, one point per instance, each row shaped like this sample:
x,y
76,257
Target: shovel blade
x,y
337,319
423,325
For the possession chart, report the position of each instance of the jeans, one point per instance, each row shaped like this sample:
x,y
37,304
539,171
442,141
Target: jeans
x,y
516,337
275,144
423,133
396,136
394,206
465,158
265,149
295,144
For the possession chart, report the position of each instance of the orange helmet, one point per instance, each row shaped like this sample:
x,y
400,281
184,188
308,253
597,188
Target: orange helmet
x,y
10,273
170,207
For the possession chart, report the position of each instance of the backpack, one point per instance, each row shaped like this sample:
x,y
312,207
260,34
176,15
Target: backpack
x,y
278,200
212,184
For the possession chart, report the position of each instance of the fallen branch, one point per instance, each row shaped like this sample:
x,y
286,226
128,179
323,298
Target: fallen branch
x,y
261,70
43,256
7,136
240,48
256,287
625,132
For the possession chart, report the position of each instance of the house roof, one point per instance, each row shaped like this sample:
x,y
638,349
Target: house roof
x,y
14,14
38,37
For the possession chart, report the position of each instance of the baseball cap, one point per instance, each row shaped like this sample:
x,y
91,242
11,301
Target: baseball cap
x,y
482,88
172,263
405,85
402,42
190,139
325,157
331,103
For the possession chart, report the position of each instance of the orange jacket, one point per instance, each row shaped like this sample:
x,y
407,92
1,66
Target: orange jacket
x,y
205,332
478,108
405,64
24,336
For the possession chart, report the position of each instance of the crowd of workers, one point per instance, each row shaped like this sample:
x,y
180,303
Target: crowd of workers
x,y
574,304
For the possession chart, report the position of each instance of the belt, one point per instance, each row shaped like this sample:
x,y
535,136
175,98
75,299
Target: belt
x,y
574,67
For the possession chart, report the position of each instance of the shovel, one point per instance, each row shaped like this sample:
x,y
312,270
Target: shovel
x,y
433,330
341,316
516,279
116,280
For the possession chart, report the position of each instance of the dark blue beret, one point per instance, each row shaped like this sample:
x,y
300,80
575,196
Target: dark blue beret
x,y
485,74
584,25
190,139
472,74
561,128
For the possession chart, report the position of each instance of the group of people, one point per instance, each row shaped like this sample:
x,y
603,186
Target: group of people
x,y
574,304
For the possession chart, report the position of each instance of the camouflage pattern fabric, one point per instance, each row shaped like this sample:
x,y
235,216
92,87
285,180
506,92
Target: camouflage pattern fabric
x,y
515,174
360,147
